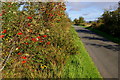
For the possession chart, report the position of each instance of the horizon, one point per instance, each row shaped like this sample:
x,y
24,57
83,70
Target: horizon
x,y
91,11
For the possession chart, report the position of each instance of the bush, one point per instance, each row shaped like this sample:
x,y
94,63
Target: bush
x,y
110,23
37,39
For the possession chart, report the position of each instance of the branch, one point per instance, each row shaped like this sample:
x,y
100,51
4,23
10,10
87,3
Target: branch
x,y
4,62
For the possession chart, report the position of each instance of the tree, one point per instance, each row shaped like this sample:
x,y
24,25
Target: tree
x,y
110,22
81,20
76,21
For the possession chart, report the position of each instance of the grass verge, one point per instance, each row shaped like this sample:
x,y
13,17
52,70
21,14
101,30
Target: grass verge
x,y
80,65
107,36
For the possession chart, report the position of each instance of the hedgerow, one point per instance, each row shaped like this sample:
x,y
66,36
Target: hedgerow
x,y
36,41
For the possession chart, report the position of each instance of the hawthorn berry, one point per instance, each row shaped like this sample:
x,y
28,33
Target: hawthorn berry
x,y
3,11
41,41
38,37
28,24
9,6
2,36
23,62
24,57
29,17
26,43
34,39
4,31
19,33
26,37
19,53
48,43
17,48
51,15
1,14
44,35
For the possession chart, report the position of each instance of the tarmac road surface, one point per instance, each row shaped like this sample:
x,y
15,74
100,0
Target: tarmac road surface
x,y
103,52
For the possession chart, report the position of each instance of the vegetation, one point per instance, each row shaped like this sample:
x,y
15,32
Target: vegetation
x,y
79,21
109,22
80,65
36,41
104,34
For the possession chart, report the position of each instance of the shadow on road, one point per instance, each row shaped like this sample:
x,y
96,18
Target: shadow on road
x,y
96,38
85,31
111,47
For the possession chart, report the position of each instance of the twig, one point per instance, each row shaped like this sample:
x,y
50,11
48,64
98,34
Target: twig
x,y
4,62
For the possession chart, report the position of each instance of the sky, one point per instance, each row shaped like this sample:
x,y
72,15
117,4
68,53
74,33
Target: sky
x,y
89,10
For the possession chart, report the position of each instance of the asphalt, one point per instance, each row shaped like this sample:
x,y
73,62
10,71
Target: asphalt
x,y
103,52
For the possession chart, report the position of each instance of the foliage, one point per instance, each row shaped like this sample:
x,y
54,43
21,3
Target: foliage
x,y
76,21
79,21
109,22
104,34
77,65
40,38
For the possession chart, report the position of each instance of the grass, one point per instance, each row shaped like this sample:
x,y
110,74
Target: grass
x,y
80,65
107,36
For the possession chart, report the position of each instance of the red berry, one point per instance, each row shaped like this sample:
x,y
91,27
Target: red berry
x,y
24,57
2,36
26,37
18,48
29,17
1,14
23,61
64,9
19,53
58,20
38,37
44,35
4,31
26,43
33,39
9,6
41,41
48,43
51,15
3,11
28,24
19,33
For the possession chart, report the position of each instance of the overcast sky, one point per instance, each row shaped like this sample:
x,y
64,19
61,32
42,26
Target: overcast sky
x,y
89,10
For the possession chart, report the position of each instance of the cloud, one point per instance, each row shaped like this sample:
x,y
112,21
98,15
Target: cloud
x,y
85,14
77,6
89,10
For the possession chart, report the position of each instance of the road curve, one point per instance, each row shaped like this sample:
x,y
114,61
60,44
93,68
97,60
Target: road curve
x,y
103,52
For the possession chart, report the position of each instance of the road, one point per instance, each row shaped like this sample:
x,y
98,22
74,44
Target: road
x,y
103,52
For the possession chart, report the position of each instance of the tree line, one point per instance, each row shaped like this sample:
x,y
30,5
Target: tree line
x,y
109,22
78,21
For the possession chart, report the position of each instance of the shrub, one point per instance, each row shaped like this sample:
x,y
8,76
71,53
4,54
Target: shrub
x,y
37,40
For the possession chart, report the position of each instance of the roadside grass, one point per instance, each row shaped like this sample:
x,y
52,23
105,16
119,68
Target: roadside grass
x,y
107,36
81,26
80,65
84,26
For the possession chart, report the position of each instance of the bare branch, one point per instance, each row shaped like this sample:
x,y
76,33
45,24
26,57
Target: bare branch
x,y
5,61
